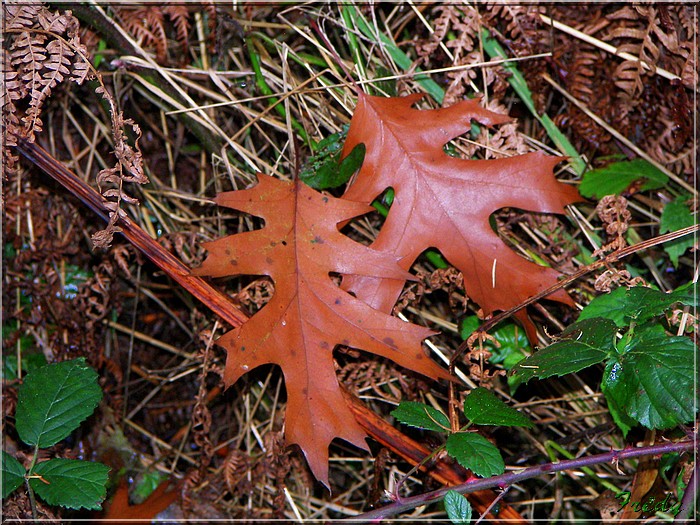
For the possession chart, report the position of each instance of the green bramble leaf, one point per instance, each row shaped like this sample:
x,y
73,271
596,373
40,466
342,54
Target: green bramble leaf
x,y
616,178
29,362
420,415
617,411
652,380
457,507
143,487
677,215
12,474
476,453
71,483
482,407
639,304
583,344
54,400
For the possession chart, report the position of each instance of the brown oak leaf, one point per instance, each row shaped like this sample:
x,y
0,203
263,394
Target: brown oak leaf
x,y
120,509
308,315
445,202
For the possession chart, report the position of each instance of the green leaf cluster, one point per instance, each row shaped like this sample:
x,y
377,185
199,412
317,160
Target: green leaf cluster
x,y
471,450
649,375
325,169
52,402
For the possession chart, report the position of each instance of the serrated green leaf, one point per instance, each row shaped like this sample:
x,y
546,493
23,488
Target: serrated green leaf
x,y
618,413
677,215
612,305
325,169
457,507
476,453
639,304
12,474
687,294
71,483
420,415
482,407
616,178
652,380
583,344
54,400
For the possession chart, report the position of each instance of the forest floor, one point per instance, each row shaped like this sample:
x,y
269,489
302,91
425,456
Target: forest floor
x,y
193,100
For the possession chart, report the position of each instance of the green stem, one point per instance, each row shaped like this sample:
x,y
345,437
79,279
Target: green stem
x,y
518,83
30,491
32,500
267,91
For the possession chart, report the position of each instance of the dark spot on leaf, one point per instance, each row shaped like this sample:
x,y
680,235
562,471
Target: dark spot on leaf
x,y
338,301
419,355
324,345
273,243
227,251
233,262
243,349
268,260
324,199
304,391
284,243
389,342
317,240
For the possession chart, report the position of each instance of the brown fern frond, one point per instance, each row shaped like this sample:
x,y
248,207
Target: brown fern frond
x,y
42,50
147,25
21,16
180,17
635,36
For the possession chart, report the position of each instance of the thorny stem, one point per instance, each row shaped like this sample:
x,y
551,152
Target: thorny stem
x,y
511,478
138,237
690,498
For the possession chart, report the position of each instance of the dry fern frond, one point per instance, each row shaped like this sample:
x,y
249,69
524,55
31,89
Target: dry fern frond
x,y
147,25
43,51
505,141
